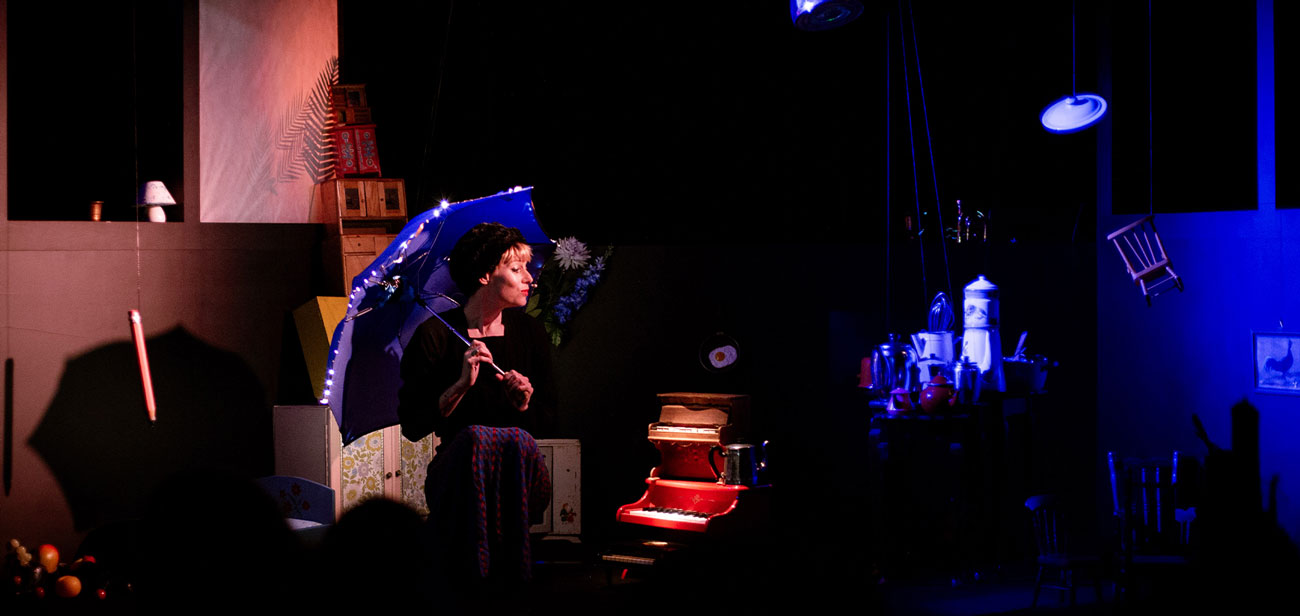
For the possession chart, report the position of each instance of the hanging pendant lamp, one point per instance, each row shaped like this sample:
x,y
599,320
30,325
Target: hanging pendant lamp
x,y
1073,113
816,15
1077,111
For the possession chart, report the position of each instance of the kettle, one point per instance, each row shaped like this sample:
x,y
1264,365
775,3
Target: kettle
x,y
741,464
893,366
935,352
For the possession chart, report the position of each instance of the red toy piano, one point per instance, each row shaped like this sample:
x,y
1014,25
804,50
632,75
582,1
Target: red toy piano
x,y
684,492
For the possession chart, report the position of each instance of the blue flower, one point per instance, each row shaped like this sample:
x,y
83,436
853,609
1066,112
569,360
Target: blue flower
x,y
567,282
561,312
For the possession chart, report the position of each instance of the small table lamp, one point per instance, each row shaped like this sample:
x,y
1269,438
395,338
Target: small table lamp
x,y
154,195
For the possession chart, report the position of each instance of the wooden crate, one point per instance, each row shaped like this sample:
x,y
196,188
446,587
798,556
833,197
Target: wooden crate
x,y
352,115
349,95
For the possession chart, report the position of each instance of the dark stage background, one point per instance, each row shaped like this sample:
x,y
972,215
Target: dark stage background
x,y
647,123
740,168
754,180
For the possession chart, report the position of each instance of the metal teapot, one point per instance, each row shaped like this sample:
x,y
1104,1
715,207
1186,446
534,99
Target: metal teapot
x,y
893,366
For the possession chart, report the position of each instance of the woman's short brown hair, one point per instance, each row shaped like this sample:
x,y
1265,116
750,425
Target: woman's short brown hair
x,y
479,251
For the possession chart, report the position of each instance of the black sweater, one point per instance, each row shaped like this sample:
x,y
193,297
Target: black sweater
x,y
431,363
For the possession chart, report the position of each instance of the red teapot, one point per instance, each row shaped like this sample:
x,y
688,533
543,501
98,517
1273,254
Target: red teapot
x,y
939,394
900,401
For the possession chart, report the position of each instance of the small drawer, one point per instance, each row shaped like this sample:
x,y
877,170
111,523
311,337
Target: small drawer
x,y
358,244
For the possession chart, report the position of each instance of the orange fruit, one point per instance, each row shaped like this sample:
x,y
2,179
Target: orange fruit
x,y
67,586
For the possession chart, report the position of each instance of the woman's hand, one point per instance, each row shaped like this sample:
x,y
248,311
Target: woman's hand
x,y
518,389
474,356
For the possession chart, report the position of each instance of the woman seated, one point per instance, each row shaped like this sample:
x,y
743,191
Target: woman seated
x,y
487,481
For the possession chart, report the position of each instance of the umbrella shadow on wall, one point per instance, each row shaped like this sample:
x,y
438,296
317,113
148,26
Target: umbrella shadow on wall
x,y
97,440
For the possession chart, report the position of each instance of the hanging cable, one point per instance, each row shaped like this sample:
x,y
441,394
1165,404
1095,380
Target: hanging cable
x,y
1151,171
433,113
929,145
133,316
889,179
911,136
135,148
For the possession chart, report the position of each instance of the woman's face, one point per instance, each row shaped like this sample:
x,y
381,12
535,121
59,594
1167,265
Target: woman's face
x,y
510,282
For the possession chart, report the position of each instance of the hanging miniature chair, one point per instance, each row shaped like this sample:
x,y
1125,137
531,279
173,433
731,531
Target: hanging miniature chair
x,y
1147,262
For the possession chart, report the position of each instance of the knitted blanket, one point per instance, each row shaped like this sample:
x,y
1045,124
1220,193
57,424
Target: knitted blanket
x,y
509,489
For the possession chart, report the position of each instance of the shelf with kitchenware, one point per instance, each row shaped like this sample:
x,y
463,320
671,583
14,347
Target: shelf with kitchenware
x,y
958,226
938,400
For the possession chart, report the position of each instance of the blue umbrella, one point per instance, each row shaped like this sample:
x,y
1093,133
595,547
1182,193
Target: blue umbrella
x,y
405,285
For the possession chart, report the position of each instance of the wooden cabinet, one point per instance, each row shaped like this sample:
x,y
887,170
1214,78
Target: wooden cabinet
x,y
564,462
363,216
344,198
351,199
386,198
382,463
359,251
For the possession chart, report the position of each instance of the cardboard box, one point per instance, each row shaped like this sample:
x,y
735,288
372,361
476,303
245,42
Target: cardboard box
x,y
316,321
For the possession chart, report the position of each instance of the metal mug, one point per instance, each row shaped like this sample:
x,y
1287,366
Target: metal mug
x,y
741,463
967,379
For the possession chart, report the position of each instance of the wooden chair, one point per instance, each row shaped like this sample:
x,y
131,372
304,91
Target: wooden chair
x,y
1147,262
1057,550
303,502
1155,532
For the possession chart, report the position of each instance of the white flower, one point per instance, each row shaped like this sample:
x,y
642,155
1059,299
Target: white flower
x,y
571,253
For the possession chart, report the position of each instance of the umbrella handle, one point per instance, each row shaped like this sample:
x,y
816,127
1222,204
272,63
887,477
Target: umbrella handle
x,y
453,331
467,345
497,368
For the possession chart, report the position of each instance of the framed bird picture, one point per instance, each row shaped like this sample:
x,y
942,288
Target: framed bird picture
x,y
1276,369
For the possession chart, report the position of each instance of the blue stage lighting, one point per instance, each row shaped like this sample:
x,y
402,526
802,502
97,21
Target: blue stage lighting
x,y
814,15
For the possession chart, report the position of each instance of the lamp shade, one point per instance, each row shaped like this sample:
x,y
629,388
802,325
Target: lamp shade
x,y
1073,113
814,15
154,193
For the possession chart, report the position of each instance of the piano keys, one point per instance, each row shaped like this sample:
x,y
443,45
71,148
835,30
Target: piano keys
x,y
696,506
699,434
